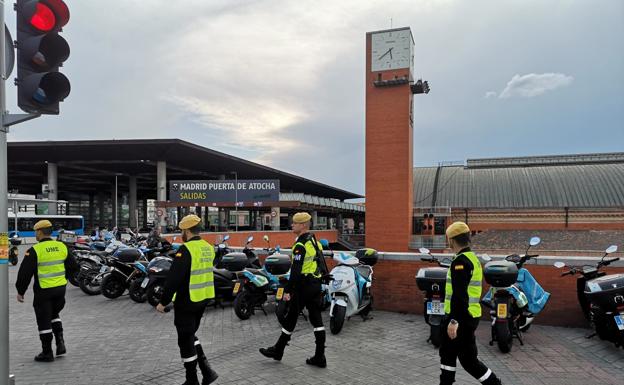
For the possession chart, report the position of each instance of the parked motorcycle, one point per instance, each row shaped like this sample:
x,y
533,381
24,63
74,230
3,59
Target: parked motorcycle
x,y
601,297
432,281
350,289
514,299
256,285
15,241
154,284
123,272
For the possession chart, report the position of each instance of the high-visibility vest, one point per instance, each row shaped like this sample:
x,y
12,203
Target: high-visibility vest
x,y
310,267
201,282
51,257
474,287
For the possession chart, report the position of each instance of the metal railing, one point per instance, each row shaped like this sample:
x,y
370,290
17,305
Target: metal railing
x,y
428,241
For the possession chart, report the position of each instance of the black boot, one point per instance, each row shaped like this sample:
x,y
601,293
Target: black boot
x,y
191,373
276,352
60,344
492,380
57,329
208,375
46,343
319,354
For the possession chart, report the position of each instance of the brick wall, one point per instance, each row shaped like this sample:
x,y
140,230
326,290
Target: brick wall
x,y
395,289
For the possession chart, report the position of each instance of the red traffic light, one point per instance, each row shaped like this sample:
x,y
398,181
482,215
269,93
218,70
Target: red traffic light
x,y
43,18
45,15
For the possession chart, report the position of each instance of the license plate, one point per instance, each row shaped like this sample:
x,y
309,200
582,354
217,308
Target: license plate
x,y
619,320
103,269
435,308
236,288
144,283
501,310
280,293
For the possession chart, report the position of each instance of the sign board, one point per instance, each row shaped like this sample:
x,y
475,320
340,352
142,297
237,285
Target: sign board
x,y
238,192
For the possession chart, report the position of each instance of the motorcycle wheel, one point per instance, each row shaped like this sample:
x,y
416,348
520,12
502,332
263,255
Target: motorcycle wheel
x,y
136,292
89,285
112,287
154,294
436,335
336,321
243,308
504,339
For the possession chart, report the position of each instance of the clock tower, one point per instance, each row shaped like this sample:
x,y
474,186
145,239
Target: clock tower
x,y
389,138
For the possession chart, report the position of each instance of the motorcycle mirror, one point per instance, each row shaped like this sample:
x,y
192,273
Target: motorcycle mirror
x,y
324,242
486,258
424,250
266,238
559,265
535,241
226,238
15,236
250,239
611,249
221,246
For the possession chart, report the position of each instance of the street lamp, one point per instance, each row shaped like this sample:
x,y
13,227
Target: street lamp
x,y
235,199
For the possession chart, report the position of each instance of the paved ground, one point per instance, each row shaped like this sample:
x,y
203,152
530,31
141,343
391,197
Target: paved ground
x,y
121,342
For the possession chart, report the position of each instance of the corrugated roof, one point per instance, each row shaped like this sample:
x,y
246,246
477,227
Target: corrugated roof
x,y
541,185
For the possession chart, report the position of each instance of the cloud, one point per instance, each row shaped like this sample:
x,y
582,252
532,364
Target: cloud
x,y
490,94
530,85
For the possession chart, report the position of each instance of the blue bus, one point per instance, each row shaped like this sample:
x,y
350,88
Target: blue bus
x,y
24,223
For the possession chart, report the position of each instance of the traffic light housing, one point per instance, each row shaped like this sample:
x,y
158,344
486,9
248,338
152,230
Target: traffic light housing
x,y
40,53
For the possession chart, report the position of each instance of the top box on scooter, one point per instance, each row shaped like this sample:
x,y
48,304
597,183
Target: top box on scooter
x,y
128,255
603,290
427,277
367,256
500,273
234,261
277,264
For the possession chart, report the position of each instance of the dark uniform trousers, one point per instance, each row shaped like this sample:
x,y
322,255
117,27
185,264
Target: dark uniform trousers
x,y
463,347
48,304
187,320
307,296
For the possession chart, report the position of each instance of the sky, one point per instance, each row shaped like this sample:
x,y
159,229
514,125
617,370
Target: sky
x,y
282,82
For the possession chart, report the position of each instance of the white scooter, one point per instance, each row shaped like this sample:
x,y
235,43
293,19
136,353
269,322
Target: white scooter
x,y
350,289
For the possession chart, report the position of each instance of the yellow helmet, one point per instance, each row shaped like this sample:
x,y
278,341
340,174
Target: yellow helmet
x,y
457,228
302,217
43,224
189,221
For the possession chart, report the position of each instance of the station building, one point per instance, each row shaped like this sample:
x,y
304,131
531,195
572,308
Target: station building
x,y
127,183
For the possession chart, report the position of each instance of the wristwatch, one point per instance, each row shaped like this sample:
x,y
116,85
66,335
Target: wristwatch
x,y
453,322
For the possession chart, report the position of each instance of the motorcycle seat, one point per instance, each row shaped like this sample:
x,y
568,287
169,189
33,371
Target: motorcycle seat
x,y
225,273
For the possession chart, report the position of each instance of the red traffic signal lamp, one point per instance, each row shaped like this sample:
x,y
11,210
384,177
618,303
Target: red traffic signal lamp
x,y
41,51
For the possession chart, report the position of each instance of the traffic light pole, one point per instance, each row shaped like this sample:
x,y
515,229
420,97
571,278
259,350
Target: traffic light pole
x,y
6,120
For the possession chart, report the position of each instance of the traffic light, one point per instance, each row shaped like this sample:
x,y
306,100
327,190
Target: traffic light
x,y
40,53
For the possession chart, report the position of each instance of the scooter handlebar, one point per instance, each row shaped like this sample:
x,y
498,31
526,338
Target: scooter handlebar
x,y
605,263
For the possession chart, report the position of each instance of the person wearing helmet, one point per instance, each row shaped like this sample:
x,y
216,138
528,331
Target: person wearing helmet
x,y
303,290
190,284
47,262
462,311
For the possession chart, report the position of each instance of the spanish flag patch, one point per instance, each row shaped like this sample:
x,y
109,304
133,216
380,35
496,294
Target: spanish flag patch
x,y
459,267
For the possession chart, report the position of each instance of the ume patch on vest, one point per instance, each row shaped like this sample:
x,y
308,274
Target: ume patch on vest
x,y
459,267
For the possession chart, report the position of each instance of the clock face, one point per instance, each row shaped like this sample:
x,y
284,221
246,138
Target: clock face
x,y
392,50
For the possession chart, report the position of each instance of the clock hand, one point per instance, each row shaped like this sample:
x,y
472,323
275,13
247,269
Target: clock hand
x,y
387,52
390,51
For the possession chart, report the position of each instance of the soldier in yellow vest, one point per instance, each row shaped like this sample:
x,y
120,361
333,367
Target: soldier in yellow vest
x,y
190,284
47,262
463,311
303,290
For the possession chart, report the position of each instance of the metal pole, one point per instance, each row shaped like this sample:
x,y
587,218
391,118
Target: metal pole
x,y
115,200
4,224
236,197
